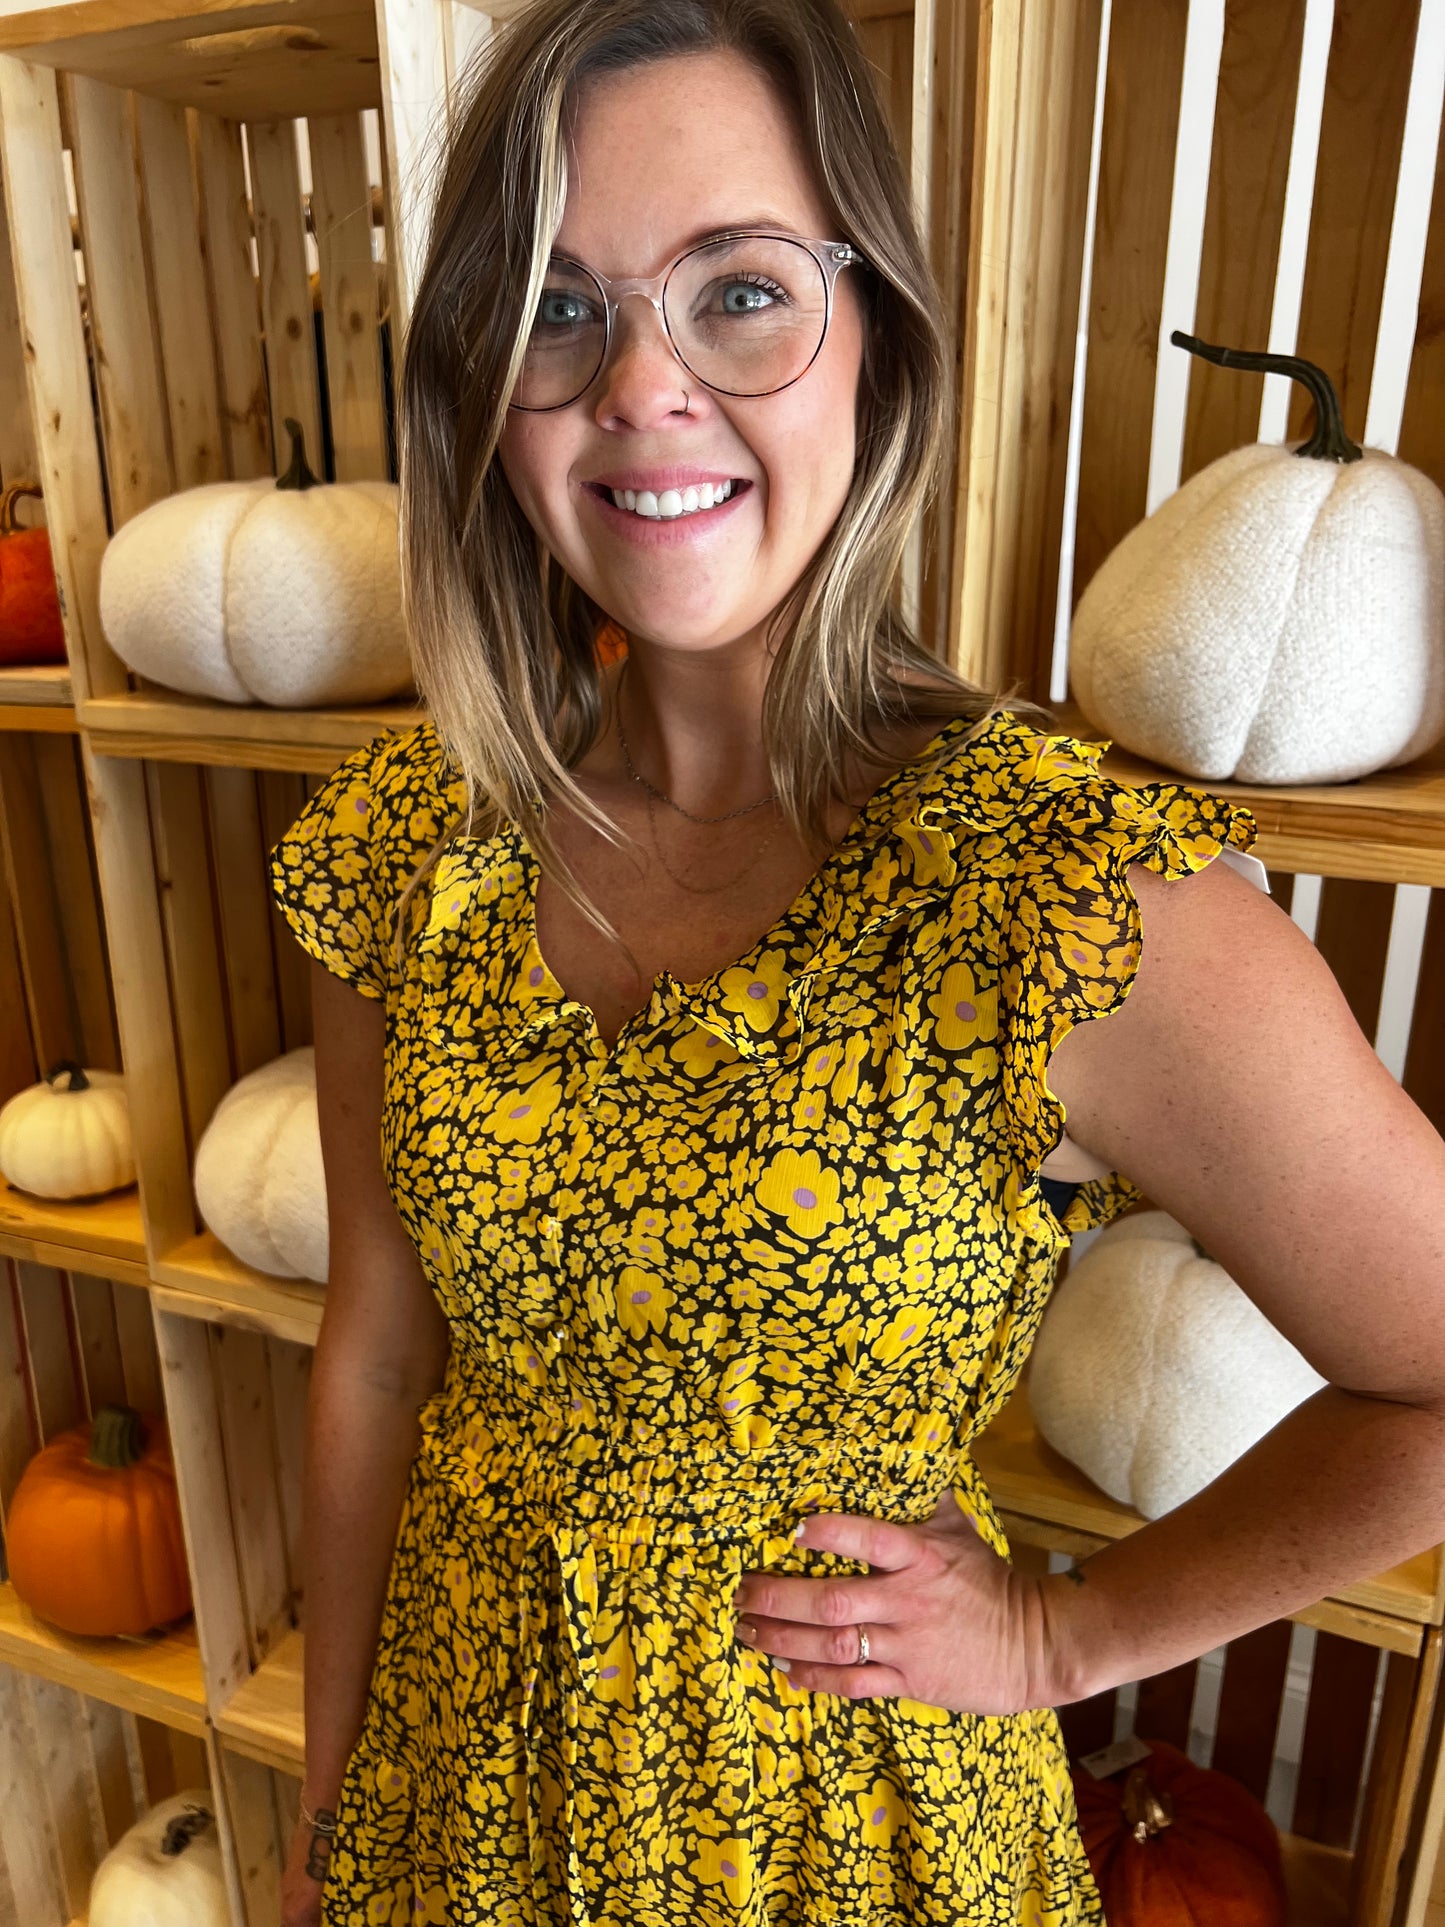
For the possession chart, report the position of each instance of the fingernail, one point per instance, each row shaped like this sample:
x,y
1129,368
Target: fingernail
x,y
800,1528
783,1665
746,1631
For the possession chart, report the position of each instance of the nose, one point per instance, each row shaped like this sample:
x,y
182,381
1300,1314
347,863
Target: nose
x,y
642,382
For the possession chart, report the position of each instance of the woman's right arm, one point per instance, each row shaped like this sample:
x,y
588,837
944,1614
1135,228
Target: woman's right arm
x,y
381,1352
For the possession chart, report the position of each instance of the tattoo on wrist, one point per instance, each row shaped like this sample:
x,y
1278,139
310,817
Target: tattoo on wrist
x,y
319,1852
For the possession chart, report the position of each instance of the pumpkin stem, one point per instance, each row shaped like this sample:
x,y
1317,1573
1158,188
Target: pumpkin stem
x,y
183,1827
69,1068
298,475
1146,1813
8,498
1329,442
116,1437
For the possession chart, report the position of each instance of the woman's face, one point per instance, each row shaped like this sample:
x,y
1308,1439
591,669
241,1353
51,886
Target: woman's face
x,y
660,157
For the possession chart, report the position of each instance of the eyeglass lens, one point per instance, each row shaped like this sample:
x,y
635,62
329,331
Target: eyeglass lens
x,y
746,315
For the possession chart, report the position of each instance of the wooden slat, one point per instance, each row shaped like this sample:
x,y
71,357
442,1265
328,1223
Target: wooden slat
x,y
341,210
1249,165
39,215
101,1359
165,727
70,861
19,458
19,1430
49,1350
888,42
234,305
264,1717
410,43
282,798
27,1837
105,1728
127,352
1422,427
1385,1810
1342,1684
102,1236
248,961
1416,1863
1255,1668
30,884
1424,1074
244,1395
203,1280
1366,88
67,1775
1088,1724
173,241
290,1369
1353,936
1141,118
253,1823
19,1066
285,288
1164,1705
135,1330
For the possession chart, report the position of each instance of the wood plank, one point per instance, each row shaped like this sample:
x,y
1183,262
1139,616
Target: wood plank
x,y
1366,88
129,380
67,1777
290,1370
19,458
102,1237
18,1065
1255,1668
1141,118
19,1425
33,687
1164,1705
341,211
172,237
1422,426
105,1728
1386,1797
1353,936
38,209
1415,1866
253,1825
31,887
27,1837
1342,1684
161,725
248,1432
135,1328
1088,1724
264,1717
283,797
70,860
234,306
101,1362
1249,165
49,1350
203,1280
1424,1073
410,44
887,40
293,380
244,900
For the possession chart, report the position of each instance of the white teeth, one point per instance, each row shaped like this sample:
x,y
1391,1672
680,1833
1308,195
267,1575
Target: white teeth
x,y
671,502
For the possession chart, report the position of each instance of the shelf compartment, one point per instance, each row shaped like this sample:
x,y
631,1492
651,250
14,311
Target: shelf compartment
x,y
102,1237
202,1279
159,1678
1387,827
164,726
263,1718
1048,1502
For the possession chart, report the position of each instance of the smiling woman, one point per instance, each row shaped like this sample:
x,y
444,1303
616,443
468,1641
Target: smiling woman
x,y
684,1025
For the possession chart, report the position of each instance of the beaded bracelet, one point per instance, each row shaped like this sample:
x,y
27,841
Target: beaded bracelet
x,y
323,1822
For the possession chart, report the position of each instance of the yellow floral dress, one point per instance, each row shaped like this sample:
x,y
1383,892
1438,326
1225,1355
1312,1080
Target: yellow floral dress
x,y
784,1248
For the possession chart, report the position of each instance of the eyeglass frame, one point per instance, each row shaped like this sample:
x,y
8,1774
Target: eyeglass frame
x,y
832,257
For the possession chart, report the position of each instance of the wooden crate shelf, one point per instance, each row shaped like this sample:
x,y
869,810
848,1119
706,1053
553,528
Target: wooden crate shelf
x,y
263,1718
1049,1502
165,727
159,1678
202,1279
1387,827
103,1238
38,698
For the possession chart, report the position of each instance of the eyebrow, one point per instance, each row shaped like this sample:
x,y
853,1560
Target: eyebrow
x,y
696,239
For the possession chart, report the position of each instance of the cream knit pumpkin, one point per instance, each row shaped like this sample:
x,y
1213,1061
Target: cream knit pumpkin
x,y
68,1136
260,1182
1153,1371
165,1871
255,592
1278,619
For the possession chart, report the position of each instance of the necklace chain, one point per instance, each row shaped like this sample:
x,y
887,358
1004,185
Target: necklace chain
x,y
703,889
661,795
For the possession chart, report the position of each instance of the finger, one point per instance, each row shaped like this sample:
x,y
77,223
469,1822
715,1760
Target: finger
x,y
881,1542
827,1662
846,1599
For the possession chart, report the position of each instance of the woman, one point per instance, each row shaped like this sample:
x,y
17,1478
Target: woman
x,y
682,1036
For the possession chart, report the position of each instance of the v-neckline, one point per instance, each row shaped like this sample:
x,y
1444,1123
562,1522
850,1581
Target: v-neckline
x,y
552,988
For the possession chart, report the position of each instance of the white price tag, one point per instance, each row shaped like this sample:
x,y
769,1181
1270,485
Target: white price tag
x,y
1113,1759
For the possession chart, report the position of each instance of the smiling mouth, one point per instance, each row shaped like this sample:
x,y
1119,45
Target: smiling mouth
x,y
671,503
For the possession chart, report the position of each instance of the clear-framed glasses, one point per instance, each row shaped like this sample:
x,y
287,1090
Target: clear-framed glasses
x,y
745,312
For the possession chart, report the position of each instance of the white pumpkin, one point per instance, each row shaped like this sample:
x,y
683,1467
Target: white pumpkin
x,y
260,1182
1280,618
165,1871
69,1136
1153,1371
285,592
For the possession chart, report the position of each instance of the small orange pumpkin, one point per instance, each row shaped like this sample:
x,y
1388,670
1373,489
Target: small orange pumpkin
x,y
31,630
94,1531
1179,1845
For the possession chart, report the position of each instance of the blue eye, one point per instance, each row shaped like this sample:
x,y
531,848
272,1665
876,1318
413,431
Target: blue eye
x,y
560,308
748,294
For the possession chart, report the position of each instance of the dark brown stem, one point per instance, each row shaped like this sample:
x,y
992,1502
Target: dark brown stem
x,y
298,475
1329,442
69,1068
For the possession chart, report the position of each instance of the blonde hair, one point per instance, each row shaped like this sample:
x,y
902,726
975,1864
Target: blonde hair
x,y
503,639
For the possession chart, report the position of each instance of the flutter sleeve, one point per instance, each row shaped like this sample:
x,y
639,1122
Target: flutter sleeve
x,y
324,876
1072,939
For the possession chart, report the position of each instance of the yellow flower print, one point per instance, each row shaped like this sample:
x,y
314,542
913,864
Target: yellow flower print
x,y
820,1064
965,1012
881,1811
316,896
643,1301
699,1051
930,851
797,1185
845,1084
902,1332
728,1863
457,1578
520,1114
617,1672
429,1909
755,994
350,865
436,1252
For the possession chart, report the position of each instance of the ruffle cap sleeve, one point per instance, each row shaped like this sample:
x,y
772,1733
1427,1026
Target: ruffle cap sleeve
x,y
1072,937
339,872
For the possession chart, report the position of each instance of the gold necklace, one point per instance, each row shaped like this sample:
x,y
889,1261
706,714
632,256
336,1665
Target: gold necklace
x,y
703,889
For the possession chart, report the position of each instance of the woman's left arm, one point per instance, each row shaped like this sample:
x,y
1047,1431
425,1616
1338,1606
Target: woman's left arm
x,y
1236,1089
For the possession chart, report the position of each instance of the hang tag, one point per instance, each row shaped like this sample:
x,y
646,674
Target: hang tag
x,y
1113,1759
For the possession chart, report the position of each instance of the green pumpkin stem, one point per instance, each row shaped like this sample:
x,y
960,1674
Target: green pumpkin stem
x,y
68,1067
1146,1813
298,475
116,1437
1329,442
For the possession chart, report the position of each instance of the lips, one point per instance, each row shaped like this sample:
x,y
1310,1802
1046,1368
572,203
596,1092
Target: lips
x,y
658,512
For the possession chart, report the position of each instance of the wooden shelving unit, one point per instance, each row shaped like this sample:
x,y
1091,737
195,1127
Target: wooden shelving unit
x,y
155,811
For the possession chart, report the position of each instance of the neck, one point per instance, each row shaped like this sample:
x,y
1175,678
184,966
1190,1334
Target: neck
x,y
693,723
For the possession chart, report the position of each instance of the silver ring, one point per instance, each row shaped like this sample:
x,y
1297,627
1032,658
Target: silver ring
x,y
862,1647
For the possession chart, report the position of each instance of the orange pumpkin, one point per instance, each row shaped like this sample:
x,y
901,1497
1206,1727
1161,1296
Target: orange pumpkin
x,y
31,630
1173,1844
94,1530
